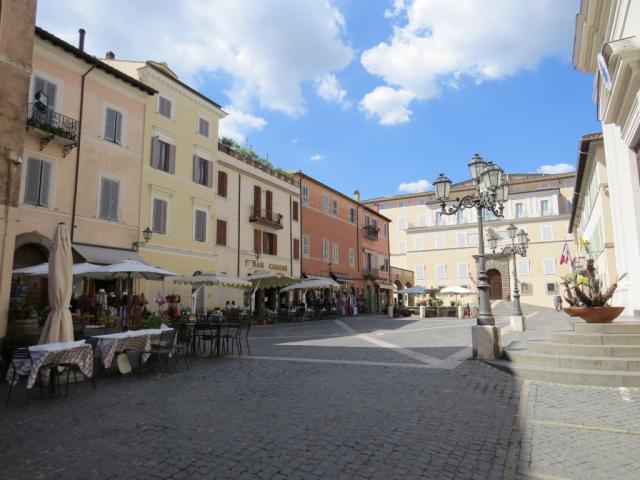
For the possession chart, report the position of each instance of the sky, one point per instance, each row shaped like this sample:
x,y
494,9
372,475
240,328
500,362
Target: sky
x,y
375,95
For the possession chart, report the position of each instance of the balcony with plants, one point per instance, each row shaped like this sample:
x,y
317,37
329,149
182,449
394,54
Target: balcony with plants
x,y
266,218
371,232
50,125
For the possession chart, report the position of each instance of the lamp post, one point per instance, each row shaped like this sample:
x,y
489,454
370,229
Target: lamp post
x,y
146,235
514,249
491,193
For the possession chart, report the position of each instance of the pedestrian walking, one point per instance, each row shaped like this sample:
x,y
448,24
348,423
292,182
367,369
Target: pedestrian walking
x,y
558,302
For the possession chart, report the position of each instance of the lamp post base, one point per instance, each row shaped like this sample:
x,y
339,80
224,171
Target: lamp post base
x,y
518,323
485,342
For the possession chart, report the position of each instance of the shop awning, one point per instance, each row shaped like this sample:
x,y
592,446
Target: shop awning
x,y
213,278
342,277
313,283
385,286
105,255
269,280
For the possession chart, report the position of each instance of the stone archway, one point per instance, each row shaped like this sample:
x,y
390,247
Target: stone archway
x,y
500,263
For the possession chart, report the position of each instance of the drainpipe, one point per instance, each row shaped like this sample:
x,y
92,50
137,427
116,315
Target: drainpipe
x,y
291,234
75,181
239,195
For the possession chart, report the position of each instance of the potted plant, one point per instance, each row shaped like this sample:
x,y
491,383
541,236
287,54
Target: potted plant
x,y
587,300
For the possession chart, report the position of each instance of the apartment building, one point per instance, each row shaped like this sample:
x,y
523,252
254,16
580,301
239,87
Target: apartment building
x,y
441,250
346,240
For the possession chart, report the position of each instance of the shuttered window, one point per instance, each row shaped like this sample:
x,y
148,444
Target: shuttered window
x,y
200,225
269,243
37,182
221,233
202,171
257,200
222,183
306,247
113,125
160,208
296,249
257,241
294,210
45,91
203,127
269,202
163,155
164,106
109,199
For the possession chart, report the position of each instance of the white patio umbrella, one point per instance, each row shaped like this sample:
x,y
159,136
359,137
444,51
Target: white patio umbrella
x,y
59,325
456,290
42,270
314,283
213,278
129,269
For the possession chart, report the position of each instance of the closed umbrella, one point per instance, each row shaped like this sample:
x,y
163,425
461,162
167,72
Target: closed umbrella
x,y
59,325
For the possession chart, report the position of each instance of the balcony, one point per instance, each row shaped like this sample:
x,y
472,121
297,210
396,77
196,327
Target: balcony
x,y
371,232
49,126
266,218
372,273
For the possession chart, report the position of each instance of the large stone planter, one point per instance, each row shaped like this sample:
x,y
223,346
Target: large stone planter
x,y
595,314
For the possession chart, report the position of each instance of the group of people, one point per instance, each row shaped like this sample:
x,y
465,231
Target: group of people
x,y
230,305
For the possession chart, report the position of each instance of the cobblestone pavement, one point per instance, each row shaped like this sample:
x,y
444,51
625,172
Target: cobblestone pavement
x,y
354,398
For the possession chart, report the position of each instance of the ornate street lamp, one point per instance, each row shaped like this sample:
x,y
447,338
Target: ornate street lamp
x,y
491,193
146,235
514,249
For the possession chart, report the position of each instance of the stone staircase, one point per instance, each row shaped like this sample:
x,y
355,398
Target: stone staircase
x,y
590,354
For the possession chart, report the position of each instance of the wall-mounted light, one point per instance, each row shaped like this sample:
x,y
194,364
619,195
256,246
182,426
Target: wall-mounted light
x,y
147,233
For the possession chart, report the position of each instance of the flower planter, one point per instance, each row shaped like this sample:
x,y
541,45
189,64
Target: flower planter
x,y
595,314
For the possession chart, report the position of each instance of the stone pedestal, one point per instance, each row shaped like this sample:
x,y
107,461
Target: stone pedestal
x,y
423,311
517,323
485,341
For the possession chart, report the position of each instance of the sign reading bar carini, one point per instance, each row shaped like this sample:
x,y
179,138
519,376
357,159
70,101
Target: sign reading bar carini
x,y
277,267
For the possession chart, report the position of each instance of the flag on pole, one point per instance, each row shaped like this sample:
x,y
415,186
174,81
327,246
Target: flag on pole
x,y
566,255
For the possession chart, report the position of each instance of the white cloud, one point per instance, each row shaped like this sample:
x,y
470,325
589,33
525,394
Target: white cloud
x,y
414,187
266,55
328,88
557,168
293,140
437,43
391,106
237,124
316,158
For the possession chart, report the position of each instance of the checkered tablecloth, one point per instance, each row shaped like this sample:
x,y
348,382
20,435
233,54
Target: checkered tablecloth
x,y
77,353
133,340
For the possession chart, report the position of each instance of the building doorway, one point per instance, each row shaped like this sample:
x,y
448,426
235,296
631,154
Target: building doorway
x,y
495,284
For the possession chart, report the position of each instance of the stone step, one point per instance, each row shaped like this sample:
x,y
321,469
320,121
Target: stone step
x,y
615,327
603,378
525,357
572,349
596,338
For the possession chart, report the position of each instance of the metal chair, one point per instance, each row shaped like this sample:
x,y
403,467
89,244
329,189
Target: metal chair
x,y
164,350
19,354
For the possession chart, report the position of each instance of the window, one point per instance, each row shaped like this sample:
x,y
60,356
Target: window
x,y
422,220
37,183
441,271
325,203
296,249
385,229
163,155
109,197
367,220
420,274
336,254
523,267
460,216
440,240
549,265
165,106
385,264
552,288
463,270
422,201
472,239
352,215
334,207
204,127
222,183
113,126
419,243
305,195
45,91
352,257
200,228
519,210
462,239
382,206
401,204
526,288
269,243
438,218
325,250
257,241
159,221
544,208
402,247
305,245
203,171
488,215
402,225
546,232
294,210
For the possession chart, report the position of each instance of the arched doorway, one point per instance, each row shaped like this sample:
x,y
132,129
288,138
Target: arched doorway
x,y
494,279
29,289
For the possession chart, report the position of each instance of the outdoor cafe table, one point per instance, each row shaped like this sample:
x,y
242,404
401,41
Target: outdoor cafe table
x,y
77,353
209,326
132,340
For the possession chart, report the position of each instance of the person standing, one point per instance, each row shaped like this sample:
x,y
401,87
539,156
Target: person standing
x,y
558,302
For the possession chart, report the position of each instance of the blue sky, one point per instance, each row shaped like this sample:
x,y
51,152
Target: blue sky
x,y
366,94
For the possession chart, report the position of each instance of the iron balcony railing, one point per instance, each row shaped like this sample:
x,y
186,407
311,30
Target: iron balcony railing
x,y
372,273
266,218
49,121
371,232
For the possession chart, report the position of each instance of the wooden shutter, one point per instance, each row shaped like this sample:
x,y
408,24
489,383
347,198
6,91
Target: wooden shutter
x,y
118,126
172,159
110,125
200,225
296,249
222,183
159,215
114,200
257,200
51,89
266,245
38,86
257,241
221,233
32,181
196,169
269,201
45,184
294,213
105,193
274,244
155,152
209,173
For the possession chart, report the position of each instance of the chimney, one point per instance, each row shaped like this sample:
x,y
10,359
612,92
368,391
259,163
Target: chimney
x,y
81,39
356,195
110,55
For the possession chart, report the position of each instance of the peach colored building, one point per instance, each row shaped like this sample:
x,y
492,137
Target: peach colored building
x,y
345,240
82,158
